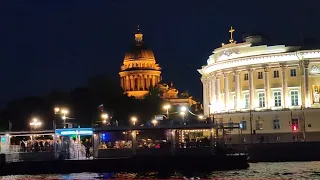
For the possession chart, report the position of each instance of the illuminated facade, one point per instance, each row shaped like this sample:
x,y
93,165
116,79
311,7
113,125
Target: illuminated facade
x,y
139,71
272,90
171,94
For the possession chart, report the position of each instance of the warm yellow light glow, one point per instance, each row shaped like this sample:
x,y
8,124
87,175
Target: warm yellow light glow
x,y
133,120
64,117
104,116
154,122
56,109
167,106
183,109
64,111
104,121
182,113
200,117
35,122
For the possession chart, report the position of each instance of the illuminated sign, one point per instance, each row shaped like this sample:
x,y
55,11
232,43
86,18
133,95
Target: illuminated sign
x,y
74,131
159,117
3,139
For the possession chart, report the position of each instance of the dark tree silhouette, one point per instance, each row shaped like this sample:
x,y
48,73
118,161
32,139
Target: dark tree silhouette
x,y
83,104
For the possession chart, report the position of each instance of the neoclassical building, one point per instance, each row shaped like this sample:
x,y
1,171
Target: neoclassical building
x,y
273,91
139,71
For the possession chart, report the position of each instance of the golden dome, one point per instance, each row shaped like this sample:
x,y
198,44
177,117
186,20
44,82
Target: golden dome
x,y
139,53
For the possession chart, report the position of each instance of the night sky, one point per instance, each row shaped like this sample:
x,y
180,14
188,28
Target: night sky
x,y
46,45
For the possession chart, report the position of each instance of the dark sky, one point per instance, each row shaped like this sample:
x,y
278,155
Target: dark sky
x,y
46,45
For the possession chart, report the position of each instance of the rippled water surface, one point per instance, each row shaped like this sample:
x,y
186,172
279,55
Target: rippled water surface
x,y
290,170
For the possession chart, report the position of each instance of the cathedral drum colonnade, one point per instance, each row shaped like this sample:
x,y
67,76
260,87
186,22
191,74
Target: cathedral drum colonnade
x,y
139,71
273,91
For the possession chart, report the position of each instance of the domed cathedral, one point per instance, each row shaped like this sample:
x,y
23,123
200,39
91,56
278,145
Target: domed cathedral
x,y
139,71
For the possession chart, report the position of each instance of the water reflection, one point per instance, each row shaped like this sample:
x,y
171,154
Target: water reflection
x,y
292,170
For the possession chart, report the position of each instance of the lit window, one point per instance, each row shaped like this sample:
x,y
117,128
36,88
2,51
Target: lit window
x,y
293,72
259,125
276,124
260,75
246,101
277,98
246,76
262,101
243,125
294,98
276,74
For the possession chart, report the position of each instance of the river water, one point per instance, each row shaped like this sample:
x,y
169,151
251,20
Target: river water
x,y
286,170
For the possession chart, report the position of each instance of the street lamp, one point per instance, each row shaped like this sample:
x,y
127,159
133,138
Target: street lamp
x,y
167,107
63,112
134,120
35,123
104,117
183,109
56,110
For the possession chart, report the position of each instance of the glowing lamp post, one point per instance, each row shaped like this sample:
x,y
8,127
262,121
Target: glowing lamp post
x,y
104,118
167,107
134,120
35,123
56,110
183,113
63,112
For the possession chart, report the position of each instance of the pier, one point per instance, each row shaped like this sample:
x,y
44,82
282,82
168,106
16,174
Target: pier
x,y
134,145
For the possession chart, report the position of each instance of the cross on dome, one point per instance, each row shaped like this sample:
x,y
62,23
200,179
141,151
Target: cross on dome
x,y
231,35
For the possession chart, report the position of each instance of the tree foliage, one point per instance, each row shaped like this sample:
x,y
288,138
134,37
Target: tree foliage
x,y
83,105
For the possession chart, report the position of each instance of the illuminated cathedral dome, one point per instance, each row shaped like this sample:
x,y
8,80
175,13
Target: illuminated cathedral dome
x,y
139,71
139,52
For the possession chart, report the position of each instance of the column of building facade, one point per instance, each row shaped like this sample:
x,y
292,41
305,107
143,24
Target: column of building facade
x,y
205,97
307,102
218,93
153,80
237,79
147,82
121,83
127,84
251,88
136,82
131,83
267,87
226,90
213,93
284,86
142,82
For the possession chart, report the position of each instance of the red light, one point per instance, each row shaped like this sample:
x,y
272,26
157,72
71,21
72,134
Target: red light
x,y
294,127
